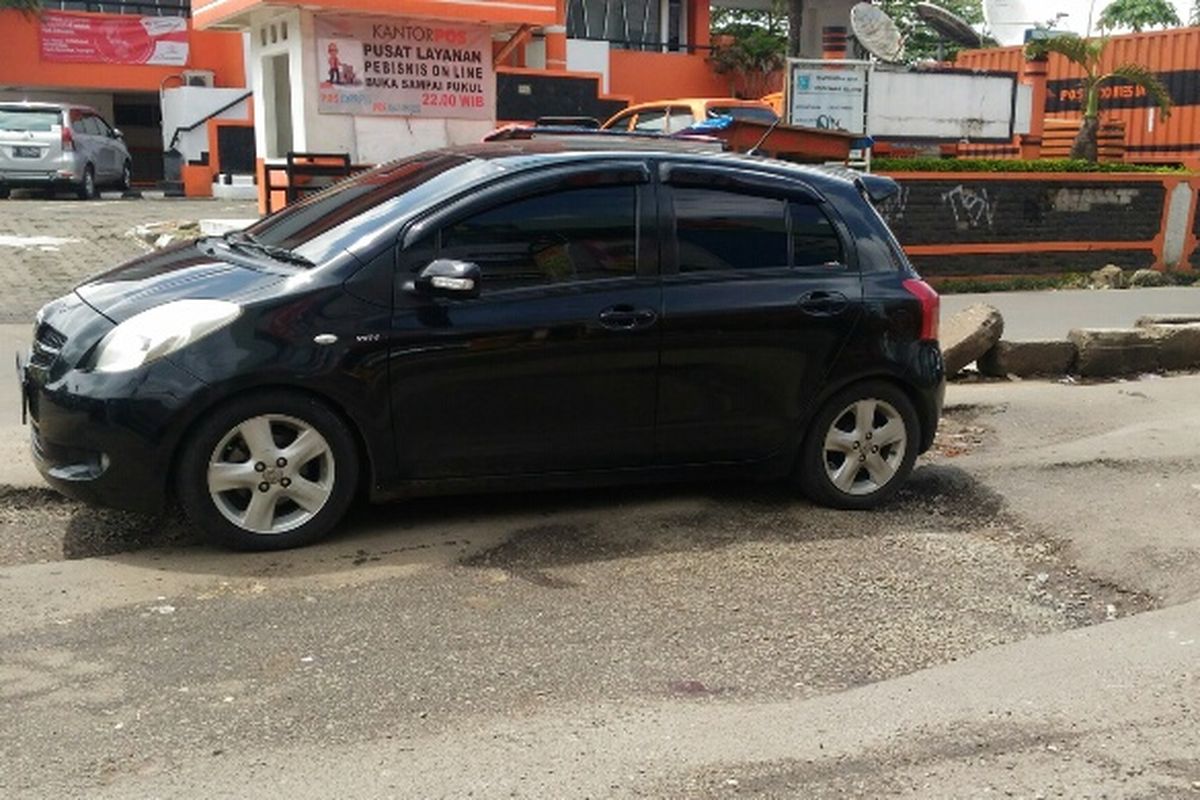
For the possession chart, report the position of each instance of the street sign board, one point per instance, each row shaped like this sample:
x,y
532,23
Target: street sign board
x,y
831,96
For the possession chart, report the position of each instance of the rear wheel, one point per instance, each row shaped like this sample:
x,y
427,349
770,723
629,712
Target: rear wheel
x,y
861,447
268,472
87,189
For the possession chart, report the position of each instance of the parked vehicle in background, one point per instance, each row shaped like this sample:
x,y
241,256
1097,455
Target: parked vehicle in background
x,y
524,314
672,116
53,146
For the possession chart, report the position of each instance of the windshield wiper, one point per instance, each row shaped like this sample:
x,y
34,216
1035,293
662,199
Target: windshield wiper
x,y
247,241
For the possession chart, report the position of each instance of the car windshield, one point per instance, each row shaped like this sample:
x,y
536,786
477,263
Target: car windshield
x,y
27,120
330,221
747,113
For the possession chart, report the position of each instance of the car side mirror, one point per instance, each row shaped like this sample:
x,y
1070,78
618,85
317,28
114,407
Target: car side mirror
x,y
117,133
446,277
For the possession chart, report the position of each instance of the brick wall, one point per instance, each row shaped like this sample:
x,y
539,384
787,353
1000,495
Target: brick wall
x,y
982,224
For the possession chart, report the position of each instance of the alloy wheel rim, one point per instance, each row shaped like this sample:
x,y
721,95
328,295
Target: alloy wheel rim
x,y
865,447
271,473
89,184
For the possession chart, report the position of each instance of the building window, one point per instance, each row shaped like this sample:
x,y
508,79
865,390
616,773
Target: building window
x,y
629,24
141,8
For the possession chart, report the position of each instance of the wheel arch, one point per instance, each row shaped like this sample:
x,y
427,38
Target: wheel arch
x,y
366,463
926,417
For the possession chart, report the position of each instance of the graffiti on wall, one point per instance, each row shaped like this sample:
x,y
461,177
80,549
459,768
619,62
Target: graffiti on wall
x,y
972,208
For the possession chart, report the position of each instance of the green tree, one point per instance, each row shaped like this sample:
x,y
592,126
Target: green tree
x,y
1088,54
1139,14
760,42
1195,20
921,43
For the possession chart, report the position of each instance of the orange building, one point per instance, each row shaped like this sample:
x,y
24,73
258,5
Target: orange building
x,y
1174,55
127,63
376,79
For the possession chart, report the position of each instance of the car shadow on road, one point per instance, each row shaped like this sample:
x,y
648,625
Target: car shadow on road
x,y
527,534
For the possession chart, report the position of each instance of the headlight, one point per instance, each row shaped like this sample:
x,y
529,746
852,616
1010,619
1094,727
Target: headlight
x,y
161,330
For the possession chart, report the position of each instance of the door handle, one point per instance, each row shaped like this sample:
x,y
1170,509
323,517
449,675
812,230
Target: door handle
x,y
627,318
823,304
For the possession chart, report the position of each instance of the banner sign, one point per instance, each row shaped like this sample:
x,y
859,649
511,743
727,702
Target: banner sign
x,y
828,97
408,68
113,40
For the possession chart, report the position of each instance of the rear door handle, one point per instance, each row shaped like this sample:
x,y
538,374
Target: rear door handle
x,y
824,304
627,318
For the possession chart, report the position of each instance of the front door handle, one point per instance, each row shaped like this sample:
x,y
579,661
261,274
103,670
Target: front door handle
x,y
824,304
627,318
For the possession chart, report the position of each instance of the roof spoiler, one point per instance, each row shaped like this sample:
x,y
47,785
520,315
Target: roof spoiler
x,y
877,187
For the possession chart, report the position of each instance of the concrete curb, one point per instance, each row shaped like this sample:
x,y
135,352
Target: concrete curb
x,y
1167,342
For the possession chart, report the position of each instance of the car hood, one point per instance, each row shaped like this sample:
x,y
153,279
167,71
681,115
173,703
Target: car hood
x,y
186,271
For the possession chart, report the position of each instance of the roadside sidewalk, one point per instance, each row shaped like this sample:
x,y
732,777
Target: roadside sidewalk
x,y
1030,316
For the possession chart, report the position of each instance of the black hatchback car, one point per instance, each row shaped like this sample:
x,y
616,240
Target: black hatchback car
x,y
533,314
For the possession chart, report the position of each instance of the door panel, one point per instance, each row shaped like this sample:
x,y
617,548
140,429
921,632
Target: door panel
x,y
554,367
747,337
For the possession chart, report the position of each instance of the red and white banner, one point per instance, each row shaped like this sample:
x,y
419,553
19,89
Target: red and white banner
x,y
407,68
86,38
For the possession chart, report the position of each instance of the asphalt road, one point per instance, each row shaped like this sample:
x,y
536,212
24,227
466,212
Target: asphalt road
x,y
1030,316
704,641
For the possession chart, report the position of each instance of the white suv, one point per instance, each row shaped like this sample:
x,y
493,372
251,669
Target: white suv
x,y
55,145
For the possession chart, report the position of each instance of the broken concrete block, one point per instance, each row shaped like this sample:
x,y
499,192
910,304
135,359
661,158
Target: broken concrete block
x,y
1178,345
1147,277
1110,277
1151,320
1027,359
1106,352
969,334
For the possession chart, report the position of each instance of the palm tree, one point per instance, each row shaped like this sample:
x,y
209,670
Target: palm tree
x,y
1087,54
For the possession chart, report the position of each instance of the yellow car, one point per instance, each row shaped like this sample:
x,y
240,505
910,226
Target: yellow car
x,y
672,116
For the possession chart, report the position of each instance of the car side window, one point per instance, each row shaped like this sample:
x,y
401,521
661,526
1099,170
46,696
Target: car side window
x,y
621,123
815,241
573,235
680,119
79,123
101,126
652,120
721,230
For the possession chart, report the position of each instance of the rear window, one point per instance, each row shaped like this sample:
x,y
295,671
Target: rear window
x,y
28,120
748,113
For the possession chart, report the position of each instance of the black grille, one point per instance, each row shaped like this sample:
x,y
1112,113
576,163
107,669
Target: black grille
x,y
47,343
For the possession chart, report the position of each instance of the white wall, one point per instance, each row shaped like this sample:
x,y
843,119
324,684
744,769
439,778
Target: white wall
x,y
586,55
185,105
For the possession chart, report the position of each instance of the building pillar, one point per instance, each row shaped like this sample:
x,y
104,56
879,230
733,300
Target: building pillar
x,y
556,47
1035,73
834,42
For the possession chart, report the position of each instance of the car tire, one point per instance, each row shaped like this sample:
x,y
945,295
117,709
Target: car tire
x,y
87,190
5,192
126,177
235,481
860,447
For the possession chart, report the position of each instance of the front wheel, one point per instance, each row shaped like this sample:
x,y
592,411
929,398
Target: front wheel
x,y
268,472
126,177
860,447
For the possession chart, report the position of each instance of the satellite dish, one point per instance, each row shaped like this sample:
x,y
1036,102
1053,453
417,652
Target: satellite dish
x,y
949,26
877,33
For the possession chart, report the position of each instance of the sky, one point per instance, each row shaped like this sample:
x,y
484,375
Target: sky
x,y
1077,21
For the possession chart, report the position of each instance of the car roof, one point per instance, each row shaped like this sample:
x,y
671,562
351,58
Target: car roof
x,y
521,154
43,106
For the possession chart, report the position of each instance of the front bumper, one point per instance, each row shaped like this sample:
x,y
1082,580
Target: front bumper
x,y
106,439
